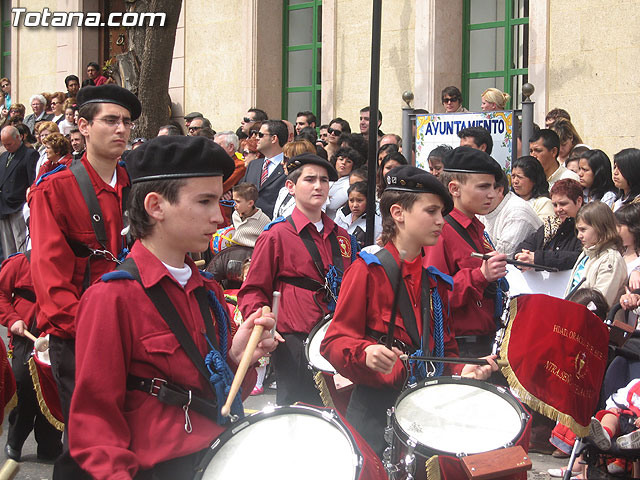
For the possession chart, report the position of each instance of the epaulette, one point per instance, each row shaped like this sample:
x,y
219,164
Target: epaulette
x,y
277,220
122,164
207,275
369,258
14,254
442,276
55,170
116,275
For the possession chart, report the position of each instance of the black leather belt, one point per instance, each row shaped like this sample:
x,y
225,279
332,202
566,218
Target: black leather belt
x,y
382,338
173,395
475,338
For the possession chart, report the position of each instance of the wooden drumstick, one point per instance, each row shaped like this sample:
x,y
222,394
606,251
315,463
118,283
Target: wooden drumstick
x,y
9,469
469,361
245,361
41,343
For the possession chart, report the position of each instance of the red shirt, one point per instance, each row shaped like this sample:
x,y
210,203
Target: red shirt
x,y
15,273
47,166
280,252
114,432
58,214
471,313
366,301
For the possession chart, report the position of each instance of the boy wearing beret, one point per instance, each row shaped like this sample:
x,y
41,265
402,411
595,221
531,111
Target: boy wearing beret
x,y
412,208
125,420
76,223
294,256
470,176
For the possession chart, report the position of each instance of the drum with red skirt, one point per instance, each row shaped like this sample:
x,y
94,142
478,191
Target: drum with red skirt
x,y
46,389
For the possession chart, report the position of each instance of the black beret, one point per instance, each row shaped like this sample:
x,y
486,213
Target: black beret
x,y
471,160
407,178
193,115
312,159
170,157
110,94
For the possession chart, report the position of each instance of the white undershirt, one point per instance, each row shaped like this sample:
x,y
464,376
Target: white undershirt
x,y
182,275
319,226
114,179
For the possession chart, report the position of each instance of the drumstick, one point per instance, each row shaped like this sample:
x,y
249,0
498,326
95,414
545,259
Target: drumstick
x,y
245,361
516,263
9,469
471,361
394,308
275,308
41,343
199,263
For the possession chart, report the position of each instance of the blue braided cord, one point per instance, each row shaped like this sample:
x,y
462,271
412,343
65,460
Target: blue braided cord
x,y
216,361
417,368
438,329
355,248
123,254
334,278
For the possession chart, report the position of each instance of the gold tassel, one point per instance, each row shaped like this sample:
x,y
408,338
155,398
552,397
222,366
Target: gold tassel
x,y
43,405
525,397
433,468
325,395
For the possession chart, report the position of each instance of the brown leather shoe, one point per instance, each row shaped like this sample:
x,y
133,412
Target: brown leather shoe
x,y
557,453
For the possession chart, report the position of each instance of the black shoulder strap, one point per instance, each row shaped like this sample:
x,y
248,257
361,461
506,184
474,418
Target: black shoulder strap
x,y
392,270
461,231
168,311
90,198
312,248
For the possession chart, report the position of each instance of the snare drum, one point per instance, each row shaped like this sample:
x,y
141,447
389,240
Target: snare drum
x,y
46,388
454,416
317,445
312,348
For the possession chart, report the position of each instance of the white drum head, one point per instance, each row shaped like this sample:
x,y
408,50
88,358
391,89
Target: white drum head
x,y
458,418
287,446
316,360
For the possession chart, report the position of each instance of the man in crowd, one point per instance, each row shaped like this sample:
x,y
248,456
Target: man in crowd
x,y
38,104
190,117
364,123
229,143
305,119
268,173
252,116
168,130
70,248
77,142
198,124
73,85
5,86
545,145
17,172
93,72
476,137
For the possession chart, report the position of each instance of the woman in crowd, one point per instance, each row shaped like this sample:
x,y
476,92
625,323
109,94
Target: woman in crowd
x,y
628,224
42,129
249,150
337,127
596,178
569,138
435,159
555,244
600,265
27,137
15,116
390,162
626,176
530,183
385,150
285,202
573,162
58,150
57,107
494,99
345,160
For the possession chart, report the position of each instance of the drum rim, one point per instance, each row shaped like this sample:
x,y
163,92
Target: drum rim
x,y
307,345
328,414
428,451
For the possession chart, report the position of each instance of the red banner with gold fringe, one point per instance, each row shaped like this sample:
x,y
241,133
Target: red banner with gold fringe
x,y
557,354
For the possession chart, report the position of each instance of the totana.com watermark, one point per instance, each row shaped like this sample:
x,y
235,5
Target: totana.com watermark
x,y
47,18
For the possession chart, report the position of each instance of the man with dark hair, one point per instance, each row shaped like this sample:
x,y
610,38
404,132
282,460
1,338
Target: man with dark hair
x,y
364,123
275,266
77,224
355,141
72,83
77,142
93,72
452,100
198,124
168,130
253,116
476,137
268,173
188,118
545,146
305,119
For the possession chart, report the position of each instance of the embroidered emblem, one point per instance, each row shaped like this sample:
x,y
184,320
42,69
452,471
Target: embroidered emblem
x,y
345,246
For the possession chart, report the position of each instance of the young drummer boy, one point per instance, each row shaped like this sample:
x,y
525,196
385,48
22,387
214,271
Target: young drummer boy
x,y
470,176
283,261
123,420
412,208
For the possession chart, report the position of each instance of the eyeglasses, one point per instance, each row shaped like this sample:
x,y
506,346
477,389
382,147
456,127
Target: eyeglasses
x,y
449,100
246,152
247,120
228,203
55,103
262,134
333,131
194,129
253,133
114,122
5,85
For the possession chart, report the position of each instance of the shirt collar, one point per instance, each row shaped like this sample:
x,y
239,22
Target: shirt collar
x,y
98,183
301,221
276,159
154,271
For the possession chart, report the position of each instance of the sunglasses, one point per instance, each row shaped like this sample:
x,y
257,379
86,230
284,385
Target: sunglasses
x,y
333,131
228,203
247,120
194,129
261,134
5,85
253,132
449,100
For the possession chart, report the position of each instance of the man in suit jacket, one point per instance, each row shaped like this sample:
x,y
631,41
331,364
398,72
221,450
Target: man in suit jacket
x,y
17,172
38,104
268,173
